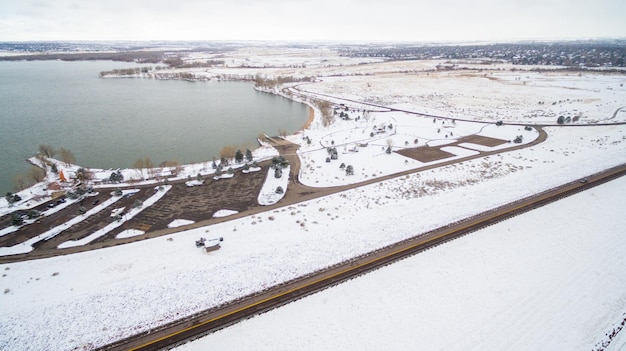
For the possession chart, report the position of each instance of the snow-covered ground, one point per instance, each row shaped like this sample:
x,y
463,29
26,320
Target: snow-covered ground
x,y
539,281
88,295
363,147
270,194
88,299
521,96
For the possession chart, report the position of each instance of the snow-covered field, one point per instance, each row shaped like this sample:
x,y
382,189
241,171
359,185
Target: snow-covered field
x,y
88,299
539,281
525,97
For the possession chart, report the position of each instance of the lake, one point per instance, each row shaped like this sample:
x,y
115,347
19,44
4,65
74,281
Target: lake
x,y
110,123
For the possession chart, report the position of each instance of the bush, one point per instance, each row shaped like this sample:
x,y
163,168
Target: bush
x,y
12,198
16,219
32,214
349,170
279,190
279,162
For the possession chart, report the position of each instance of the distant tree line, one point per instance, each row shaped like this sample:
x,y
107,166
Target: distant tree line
x,y
266,82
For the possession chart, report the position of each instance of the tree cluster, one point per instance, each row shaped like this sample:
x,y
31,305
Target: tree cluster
x,y
265,82
116,177
279,162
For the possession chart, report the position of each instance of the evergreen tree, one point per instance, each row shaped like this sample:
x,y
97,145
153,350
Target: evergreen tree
x,y
349,170
238,156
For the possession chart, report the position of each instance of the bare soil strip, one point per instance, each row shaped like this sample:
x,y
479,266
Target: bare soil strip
x,y
482,140
425,154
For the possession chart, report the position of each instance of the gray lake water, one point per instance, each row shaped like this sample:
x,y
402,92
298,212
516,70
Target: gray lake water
x,y
110,123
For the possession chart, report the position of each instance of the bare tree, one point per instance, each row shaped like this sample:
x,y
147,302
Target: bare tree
x,y
20,182
327,112
47,150
366,115
67,156
150,166
36,174
83,174
169,163
43,163
389,145
228,151
143,163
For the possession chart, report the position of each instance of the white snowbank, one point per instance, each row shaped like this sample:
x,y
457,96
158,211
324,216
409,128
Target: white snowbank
x,y
179,223
268,194
224,213
129,233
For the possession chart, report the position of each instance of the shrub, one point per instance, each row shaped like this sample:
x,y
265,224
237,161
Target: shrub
x,y
32,214
279,190
349,170
16,219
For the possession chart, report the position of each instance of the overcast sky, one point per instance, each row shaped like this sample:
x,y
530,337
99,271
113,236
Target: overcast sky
x,y
362,20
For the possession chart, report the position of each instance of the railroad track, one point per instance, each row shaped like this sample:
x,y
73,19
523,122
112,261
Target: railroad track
x,y
217,318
